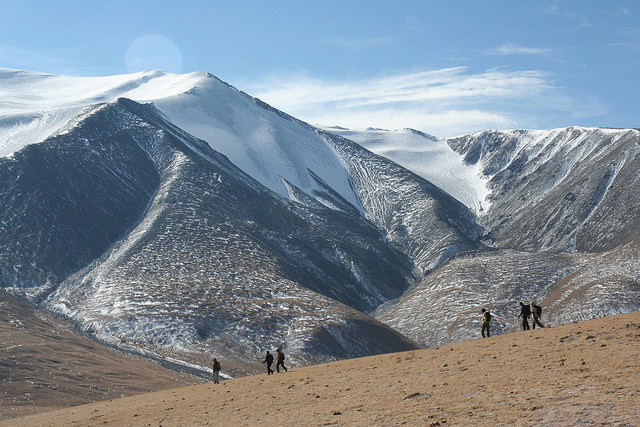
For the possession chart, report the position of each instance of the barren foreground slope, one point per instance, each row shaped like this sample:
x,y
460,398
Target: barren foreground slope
x,y
44,365
581,373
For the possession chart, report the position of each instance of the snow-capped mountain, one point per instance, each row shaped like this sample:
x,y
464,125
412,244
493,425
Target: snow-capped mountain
x,y
266,146
565,189
147,236
206,260
564,210
178,216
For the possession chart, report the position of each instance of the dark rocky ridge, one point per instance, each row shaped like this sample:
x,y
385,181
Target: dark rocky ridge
x,y
208,260
564,215
568,190
154,242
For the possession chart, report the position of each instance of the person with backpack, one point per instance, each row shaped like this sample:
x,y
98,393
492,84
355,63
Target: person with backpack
x,y
216,371
525,313
268,360
280,360
536,310
486,319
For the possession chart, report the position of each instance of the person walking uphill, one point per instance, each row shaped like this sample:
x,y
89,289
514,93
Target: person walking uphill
x,y
525,313
280,361
536,310
216,371
268,359
486,319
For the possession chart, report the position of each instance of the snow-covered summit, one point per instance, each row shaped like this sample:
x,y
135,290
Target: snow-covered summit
x,y
279,152
148,208
34,105
496,150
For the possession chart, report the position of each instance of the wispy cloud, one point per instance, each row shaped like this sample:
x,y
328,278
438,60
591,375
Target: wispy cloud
x,y
414,24
577,19
635,48
27,58
516,49
60,61
442,102
436,85
622,11
355,44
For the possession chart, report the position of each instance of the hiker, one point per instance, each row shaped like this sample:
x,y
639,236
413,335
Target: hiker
x,y
280,360
268,360
486,318
525,313
216,371
536,310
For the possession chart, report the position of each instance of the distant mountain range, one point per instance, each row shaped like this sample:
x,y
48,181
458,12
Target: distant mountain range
x,y
178,217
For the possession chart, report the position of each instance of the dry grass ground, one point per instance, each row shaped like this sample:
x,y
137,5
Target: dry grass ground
x,y
582,373
45,366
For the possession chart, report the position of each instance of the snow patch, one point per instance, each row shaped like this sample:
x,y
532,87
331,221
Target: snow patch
x,y
429,157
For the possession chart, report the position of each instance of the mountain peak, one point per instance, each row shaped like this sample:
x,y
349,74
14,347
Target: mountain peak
x,y
163,211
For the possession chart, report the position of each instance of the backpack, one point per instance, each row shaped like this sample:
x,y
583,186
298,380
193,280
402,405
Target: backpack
x,y
282,356
216,366
487,316
538,311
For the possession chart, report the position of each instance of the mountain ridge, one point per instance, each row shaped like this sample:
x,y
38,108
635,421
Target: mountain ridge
x,y
193,215
193,219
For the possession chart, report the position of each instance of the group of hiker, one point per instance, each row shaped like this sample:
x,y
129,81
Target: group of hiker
x,y
268,360
526,311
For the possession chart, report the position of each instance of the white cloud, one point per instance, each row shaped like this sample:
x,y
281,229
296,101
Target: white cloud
x,y
360,43
28,59
63,61
515,49
576,19
439,85
443,102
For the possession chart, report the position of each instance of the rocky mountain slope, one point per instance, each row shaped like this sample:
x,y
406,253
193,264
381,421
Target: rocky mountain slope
x,y
178,217
207,262
572,189
562,218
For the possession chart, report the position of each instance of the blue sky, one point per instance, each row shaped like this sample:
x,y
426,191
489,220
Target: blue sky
x,y
443,67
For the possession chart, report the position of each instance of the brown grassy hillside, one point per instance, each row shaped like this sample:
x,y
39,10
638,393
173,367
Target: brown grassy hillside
x,y
44,366
582,373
